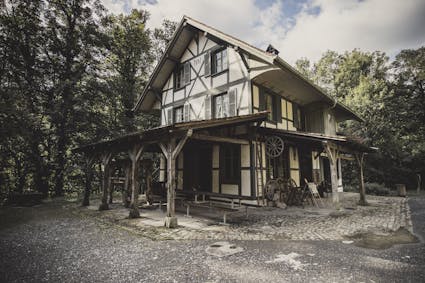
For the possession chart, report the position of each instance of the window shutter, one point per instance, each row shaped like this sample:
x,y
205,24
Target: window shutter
x,y
186,113
207,107
225,60
170,116
232,102
295,110
187,73
278,108
207,64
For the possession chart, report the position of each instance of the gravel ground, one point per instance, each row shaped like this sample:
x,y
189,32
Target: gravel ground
x,y
48,243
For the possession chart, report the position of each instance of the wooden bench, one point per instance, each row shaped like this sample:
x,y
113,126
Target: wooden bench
x,y
214,204
202,194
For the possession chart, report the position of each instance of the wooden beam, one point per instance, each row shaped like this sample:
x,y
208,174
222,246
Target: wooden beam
x,y
164,149
172,58
170,219
332,156
135,153
219,139
181,143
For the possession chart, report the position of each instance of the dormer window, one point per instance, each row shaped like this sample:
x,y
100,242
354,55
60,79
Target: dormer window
x,y
182,76
219,61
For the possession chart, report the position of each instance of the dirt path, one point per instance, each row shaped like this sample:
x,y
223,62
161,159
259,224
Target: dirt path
x,y
49,244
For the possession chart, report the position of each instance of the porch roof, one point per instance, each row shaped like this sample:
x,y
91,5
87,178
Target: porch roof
x,y
155,135
347,144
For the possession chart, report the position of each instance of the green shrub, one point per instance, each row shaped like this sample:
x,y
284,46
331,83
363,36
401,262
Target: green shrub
x,y
377,189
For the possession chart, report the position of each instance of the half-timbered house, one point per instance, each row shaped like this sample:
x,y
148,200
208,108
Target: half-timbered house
x,y
233,117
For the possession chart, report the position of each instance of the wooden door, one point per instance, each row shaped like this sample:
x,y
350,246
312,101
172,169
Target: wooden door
x,y
197,167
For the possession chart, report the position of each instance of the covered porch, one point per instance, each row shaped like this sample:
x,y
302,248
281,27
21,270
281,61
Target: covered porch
x,y
316,158
132,151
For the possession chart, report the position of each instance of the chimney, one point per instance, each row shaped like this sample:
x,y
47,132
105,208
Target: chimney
x,y
270,49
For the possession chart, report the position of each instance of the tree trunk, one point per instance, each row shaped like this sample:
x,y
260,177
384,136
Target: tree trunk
x,y
88,183
105,183
60,163
126,190
134,209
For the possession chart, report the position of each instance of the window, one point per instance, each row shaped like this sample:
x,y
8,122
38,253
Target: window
x,y
178,115
230,163
271,106
219,61
179,77
182,76
268,102
221,103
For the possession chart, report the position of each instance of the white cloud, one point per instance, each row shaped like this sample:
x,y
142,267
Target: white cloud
x,y
344,25
341,25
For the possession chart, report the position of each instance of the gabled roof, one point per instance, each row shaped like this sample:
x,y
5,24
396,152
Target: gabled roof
x,y
180,40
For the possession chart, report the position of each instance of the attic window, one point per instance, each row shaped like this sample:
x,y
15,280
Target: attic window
x,y
182,76
219,61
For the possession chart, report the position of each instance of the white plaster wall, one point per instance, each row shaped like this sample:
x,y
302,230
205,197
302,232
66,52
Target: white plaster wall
x,y
201,84
230,189
219,80
245,182
245,156
215,181
237,69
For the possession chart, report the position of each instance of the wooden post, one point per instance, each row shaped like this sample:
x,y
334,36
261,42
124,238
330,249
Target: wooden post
x,y
88,180
171,151
135,153
360,159
106,158
332,154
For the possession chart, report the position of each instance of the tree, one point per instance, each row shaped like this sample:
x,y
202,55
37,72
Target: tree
x,y
161,37
129,60
22,95
389,97
71,48
408,103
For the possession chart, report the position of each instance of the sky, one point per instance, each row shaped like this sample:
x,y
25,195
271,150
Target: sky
x,y
305,28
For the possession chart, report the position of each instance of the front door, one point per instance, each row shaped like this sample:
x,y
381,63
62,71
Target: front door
x,y
197,167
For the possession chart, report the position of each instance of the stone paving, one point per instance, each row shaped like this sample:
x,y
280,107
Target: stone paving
x,y
382,216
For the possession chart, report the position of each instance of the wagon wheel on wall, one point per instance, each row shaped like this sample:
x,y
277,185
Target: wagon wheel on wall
x,y
274,146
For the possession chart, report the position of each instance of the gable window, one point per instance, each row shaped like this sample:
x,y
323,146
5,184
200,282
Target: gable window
x,y
182,76
178,114
230,163
219,61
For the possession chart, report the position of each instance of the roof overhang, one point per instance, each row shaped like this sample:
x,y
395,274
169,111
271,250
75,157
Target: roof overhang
x,y
344,143
159,134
